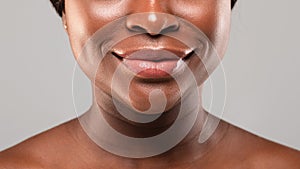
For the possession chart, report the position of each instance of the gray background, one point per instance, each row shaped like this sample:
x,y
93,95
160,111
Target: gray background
x,y
262,68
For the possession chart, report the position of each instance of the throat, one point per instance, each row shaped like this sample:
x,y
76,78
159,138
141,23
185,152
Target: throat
x,y
151,144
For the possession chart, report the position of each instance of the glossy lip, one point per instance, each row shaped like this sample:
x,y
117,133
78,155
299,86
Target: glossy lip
x,y
152,54
153,63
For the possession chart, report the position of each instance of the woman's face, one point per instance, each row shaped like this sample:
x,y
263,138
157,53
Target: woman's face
x,y
84,17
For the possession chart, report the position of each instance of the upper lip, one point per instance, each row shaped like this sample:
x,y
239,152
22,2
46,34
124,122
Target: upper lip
x,y
152,54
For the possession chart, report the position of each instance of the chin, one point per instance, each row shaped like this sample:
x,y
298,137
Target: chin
x,y
140,91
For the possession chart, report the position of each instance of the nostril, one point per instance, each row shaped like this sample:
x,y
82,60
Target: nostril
x,y
137,28
171,28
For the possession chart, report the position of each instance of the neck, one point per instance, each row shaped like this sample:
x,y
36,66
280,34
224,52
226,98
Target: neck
x,y
181,154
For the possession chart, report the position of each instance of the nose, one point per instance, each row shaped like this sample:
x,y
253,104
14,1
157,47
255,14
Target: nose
x,y
151,17
152,23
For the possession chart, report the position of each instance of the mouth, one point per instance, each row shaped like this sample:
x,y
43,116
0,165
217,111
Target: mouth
x,y
152,63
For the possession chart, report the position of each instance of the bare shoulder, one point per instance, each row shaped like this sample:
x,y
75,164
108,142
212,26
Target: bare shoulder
x,y
11,159
263,153
281,157
36,151
277,157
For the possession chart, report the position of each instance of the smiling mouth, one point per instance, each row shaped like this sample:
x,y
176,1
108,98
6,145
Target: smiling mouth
x,y
154,63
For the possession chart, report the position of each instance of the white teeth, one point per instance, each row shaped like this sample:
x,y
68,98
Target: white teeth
x,y
145,65
179,65
150,65
153,66
188,51
161,66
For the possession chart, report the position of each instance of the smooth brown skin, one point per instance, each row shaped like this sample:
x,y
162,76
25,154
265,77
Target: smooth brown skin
x,y
68,147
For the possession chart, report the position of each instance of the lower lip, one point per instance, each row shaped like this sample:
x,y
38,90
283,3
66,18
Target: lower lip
x,y
150,69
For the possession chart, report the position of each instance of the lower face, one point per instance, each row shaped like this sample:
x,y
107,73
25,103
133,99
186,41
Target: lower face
x,y
85,17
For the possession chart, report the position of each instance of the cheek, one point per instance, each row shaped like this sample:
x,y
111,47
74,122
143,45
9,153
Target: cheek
x,y
222,31
211,16
85,17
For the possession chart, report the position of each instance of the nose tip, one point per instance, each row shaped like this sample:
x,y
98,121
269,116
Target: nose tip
x,y
152,23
